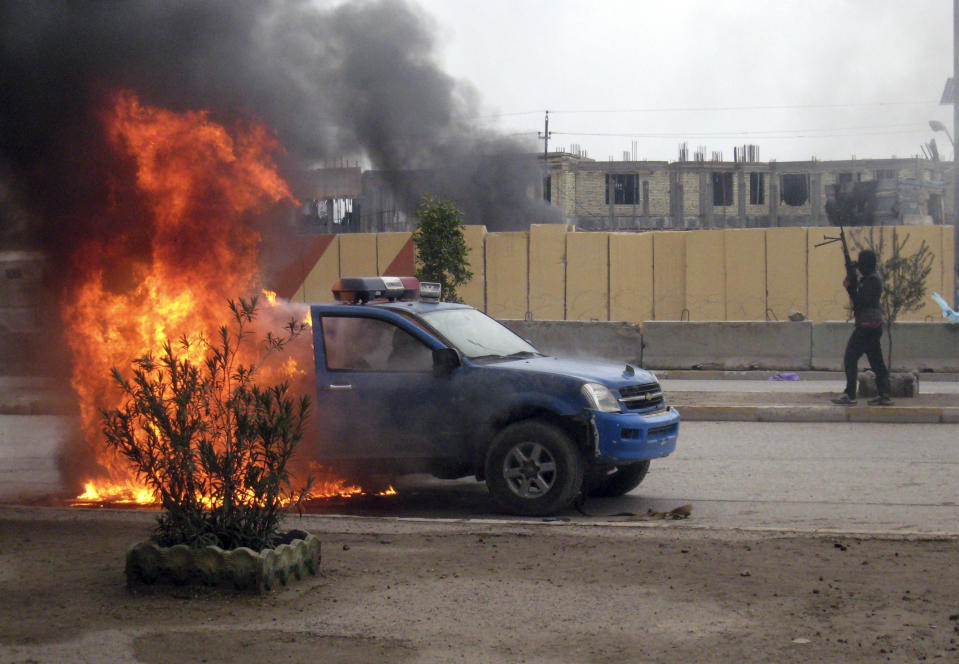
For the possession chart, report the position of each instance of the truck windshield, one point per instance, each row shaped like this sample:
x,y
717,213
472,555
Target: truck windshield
x,y
477,336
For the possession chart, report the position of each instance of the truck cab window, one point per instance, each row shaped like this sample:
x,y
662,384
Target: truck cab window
x,y
369,344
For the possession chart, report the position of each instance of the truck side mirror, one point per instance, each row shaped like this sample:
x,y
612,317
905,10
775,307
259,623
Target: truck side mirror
x,y
444,361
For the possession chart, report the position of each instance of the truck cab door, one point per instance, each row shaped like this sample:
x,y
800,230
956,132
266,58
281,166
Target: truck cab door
x,y
377,394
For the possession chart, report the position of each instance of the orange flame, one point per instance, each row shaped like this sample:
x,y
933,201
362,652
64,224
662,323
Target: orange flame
x,y
197,185
191,246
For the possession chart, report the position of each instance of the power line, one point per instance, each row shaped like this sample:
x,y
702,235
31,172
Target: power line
x,y
764,134
694,109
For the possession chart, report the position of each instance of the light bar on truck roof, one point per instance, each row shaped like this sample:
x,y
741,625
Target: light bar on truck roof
x,y
358,290
430,291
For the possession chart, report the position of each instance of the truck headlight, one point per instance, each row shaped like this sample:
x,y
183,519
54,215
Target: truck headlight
x,y
600,398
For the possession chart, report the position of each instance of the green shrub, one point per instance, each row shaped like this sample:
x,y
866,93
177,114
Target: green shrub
x,y
209,441
441,251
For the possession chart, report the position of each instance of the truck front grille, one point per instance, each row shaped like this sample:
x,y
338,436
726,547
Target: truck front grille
x,y
642,397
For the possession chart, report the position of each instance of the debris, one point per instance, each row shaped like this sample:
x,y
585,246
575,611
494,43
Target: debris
x,y
681,512
800,640
786,375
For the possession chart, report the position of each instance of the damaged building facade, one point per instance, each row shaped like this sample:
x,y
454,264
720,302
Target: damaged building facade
x,y
660,195
657,195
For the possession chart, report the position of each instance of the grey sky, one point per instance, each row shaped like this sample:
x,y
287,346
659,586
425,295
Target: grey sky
x,y
800,78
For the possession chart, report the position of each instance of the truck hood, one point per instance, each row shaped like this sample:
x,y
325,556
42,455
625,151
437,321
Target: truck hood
x,y
596,371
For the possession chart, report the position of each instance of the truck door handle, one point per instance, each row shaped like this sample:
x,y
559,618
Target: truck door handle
x,y
341,387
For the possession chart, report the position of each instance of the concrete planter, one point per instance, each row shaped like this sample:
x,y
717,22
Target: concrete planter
x,y
148,564
901,384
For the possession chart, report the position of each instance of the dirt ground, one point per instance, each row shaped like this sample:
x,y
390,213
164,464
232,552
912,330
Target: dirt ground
x,y
397,590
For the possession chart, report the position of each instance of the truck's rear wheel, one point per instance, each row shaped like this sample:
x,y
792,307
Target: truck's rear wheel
x,y
616,481
533,468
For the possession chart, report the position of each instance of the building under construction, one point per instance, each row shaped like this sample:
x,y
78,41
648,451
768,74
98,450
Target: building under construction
x,y
744,193
691,193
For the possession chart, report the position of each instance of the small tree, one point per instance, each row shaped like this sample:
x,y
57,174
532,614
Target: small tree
x,y
903,277
211,444
440,246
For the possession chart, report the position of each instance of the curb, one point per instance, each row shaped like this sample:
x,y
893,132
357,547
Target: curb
x,y
879,414
766,374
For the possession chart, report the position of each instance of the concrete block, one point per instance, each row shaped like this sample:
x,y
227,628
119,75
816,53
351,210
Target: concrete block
x,y
357,253
785,272
669,275
394,254
900,384
631,276
616,342
547,271
920,346
507,284
587,276
745,279
916,346
706,275
829,344
729,345
474,291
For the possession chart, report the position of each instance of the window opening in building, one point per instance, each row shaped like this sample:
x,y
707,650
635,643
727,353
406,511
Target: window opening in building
x,y
722,188
625,186
886,174
935,208
547,193
795,188
757,188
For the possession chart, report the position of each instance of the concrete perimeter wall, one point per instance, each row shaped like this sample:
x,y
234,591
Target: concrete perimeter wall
x,y
554,272
738,346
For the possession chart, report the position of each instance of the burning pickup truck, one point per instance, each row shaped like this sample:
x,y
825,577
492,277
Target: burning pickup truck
x,y
410,384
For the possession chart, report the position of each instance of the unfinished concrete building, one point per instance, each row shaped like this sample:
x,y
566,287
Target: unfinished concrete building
x,y
744,193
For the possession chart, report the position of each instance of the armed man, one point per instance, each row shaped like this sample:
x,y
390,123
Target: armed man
x,y
864,293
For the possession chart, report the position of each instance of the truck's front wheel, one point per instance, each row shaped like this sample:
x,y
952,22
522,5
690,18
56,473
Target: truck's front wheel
x,y
533,468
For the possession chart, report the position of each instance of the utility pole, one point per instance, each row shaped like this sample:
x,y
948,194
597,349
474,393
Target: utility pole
x,y
545,135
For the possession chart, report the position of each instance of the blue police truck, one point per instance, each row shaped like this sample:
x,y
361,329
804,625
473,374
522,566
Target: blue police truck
x,y
409,384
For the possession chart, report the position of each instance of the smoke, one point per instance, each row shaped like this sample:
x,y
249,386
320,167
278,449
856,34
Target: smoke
x,y
356,80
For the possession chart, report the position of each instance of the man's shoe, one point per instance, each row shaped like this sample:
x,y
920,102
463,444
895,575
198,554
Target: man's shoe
x,y
844,400
881,400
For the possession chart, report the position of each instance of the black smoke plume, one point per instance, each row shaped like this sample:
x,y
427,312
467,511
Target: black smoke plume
x,y
355,80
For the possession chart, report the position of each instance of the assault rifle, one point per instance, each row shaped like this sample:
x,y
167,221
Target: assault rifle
x,y
850,263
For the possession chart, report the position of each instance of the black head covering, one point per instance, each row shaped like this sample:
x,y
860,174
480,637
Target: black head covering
x,y
867,261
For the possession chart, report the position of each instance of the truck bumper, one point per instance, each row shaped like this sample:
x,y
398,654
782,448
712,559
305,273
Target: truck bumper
x,y
628,437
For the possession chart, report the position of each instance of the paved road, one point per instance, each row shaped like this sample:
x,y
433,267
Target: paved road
x,y
846,476
831,476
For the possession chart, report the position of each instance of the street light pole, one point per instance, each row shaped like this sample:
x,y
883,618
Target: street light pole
x,y
935,125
